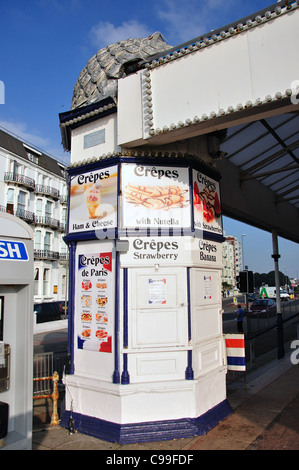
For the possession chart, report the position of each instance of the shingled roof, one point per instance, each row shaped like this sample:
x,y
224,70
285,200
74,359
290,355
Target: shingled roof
x,y
22,148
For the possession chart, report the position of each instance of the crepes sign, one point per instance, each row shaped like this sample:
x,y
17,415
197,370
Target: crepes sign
x,y
93,200
206,202
95,304
155,196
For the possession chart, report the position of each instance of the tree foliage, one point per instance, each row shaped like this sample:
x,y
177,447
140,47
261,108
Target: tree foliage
x,y
269,278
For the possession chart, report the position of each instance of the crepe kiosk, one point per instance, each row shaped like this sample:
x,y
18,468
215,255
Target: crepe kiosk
x,y
146,358
16,333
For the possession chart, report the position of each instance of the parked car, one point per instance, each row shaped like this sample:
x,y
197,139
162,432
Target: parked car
x,y
262,307
251,297
48,311
284,295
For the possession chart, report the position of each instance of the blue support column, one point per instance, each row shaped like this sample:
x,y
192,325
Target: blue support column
x,y
189,373
71,307
125,377
116,374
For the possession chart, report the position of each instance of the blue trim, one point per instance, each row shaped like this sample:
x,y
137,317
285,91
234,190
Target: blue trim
x,y
125,293
148,431
125,377
191,198
81,111
116,375
71,306
118,211
235,361
113,233
189,373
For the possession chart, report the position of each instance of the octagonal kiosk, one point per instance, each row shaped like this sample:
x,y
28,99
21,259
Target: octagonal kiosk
x,y
16,333
145,319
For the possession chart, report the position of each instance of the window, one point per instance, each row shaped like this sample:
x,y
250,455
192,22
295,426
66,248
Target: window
x,y
32,158
17,169
64,215
36,279
37,240
10,195
47,241
39,207
48,210
63,285
46,281
21,207
10,201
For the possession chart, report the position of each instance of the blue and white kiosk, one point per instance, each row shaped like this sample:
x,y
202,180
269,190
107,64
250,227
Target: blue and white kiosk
x,y
146,350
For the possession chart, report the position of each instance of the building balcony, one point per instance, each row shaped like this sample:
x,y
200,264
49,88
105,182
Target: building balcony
x,y
22,180
46,255
63,199
28,216
62,226
45,220
47,191
63,256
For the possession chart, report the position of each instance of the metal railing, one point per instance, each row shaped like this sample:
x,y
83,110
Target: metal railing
x,y
46,254
21,179
46,220
44,365
48,190
265,330
54,395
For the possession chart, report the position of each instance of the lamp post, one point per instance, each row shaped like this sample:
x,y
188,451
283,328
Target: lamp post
x,y
246,293
242,243
279,322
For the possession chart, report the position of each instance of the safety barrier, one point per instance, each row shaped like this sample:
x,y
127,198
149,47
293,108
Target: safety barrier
x,y
54,395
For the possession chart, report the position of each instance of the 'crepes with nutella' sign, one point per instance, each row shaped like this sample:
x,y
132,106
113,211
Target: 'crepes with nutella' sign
x,y
206,200
155,196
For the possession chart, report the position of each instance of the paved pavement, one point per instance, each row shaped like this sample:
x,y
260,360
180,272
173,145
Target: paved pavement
x,y
265,417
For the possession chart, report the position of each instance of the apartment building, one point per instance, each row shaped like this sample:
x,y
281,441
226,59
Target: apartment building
x,y
33,187
232,260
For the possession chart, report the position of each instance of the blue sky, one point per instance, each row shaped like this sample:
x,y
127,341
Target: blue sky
x,y
46,43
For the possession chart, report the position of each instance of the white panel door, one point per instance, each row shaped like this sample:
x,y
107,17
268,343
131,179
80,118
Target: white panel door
x,y
158,309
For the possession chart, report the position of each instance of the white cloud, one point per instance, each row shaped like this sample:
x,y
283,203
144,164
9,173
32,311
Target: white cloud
x,y
46,145
20,130
185,21
105,33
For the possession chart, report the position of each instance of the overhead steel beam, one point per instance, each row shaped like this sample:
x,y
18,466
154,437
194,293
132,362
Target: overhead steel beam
x,y
279,140
255,204
271,172
269,159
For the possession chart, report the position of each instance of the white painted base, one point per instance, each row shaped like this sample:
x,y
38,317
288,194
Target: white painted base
x,y
135,403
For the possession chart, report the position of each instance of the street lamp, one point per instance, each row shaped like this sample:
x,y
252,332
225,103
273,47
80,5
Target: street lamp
x,y
246,293
243,265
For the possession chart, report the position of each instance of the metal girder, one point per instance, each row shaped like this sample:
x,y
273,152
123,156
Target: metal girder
x,y
270,172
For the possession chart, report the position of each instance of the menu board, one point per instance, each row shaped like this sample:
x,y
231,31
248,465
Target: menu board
x,y
94,312
206,200
155,196
93,200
